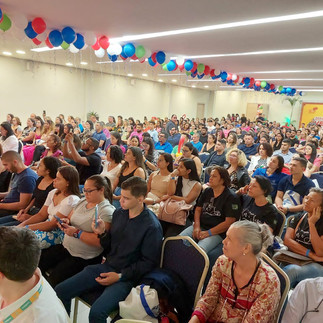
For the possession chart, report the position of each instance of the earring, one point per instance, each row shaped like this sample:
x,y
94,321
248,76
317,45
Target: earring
x,y
243,254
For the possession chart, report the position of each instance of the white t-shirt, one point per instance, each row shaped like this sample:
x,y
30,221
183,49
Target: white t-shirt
x,y
82,219
11,143
46,309
112,174
64,207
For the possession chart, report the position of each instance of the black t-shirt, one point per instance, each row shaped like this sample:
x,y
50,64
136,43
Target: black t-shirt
x,y
41,195
94,167
215,210
261,214
302,234
4,181
294,141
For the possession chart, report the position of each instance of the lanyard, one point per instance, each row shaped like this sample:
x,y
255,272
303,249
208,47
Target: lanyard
x,y
24,306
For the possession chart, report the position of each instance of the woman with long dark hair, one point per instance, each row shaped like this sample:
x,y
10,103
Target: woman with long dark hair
x,y
150,154
190,152
115,140
8,139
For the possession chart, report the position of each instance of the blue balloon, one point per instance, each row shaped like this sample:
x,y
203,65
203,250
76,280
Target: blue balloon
x,y
267,87
55,38
79,42
129,49
113,58
293,91
193,75
283,91
223,75
160,57
247,81
0,14
68,34
188,65
29,31
151,62
213,77
229,82
171,65
200,76
288,90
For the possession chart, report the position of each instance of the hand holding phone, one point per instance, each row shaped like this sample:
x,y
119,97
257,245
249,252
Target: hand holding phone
x,y
59,220
96,216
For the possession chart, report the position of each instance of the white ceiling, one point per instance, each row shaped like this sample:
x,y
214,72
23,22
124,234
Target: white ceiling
x,y
126,17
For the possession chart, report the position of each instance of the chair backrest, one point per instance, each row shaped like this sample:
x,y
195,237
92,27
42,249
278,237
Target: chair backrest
x,y
284,283
184,257
204,157
318,177
280,222
20,145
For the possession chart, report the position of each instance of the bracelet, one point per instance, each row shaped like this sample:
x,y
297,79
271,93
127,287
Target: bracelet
x,y
173,178
79,234
27,226
120,276
145,162
307,252
209,232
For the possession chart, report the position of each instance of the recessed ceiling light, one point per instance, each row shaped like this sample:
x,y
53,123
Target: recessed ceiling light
x,y
84,63
144,74
312,14
69,64
45,49
130,74
193,85
206,86
174,81
22,52
7,53
160,80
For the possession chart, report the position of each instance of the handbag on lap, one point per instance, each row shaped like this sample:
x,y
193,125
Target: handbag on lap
x,y
173,211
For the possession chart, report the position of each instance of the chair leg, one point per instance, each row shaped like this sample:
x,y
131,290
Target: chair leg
x,y
76,308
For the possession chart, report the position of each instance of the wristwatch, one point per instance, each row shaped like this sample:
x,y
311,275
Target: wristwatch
x,y
77,234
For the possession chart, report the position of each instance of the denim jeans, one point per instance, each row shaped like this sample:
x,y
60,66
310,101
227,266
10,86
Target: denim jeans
x,y
208,243
298,273
8,221
85,281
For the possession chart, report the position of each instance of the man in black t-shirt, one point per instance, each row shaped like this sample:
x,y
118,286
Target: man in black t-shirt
x,y
88,163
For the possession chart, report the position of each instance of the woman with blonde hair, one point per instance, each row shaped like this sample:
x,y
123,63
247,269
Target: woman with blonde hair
x,y
232,141
238,173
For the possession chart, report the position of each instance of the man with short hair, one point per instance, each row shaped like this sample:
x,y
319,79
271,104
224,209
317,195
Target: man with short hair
x,y
111,124
203,135
196,142
174,137
172,123
249,147
293,139
163,144
22,184
132,246
217,157
88,163
284,151
293,188
152,131
138,131
99,135
25,296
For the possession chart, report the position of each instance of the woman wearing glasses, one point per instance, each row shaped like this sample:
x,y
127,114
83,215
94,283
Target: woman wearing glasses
x,y
243,288
81,247
190,152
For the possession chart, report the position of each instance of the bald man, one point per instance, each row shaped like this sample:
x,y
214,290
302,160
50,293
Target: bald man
x,y
22,185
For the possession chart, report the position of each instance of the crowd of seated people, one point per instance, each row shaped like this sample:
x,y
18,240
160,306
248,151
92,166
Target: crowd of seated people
x,y
90,189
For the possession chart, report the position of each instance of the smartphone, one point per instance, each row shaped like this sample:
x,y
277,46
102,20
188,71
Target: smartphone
x,y
59,220
96,216
44,112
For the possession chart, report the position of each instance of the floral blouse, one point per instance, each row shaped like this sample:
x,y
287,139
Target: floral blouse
x,y
257,301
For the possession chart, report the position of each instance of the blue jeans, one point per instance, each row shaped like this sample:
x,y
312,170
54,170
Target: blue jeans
x,y
298,273
8,221
85,281
208,243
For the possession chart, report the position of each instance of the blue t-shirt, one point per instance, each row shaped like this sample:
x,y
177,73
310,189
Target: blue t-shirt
x,y
249,151
166,147
174,140
24,182
100,136
274,179
293,195
197,145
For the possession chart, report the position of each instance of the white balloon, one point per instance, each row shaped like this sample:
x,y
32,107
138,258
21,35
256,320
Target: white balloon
x,y
180,60
117,49
217,72
167,58
304,93
42,36
147,53
90,38
99,53
19,20
234,77
73,49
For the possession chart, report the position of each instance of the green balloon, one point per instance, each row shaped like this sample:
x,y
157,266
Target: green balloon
x,y
65,45
188,73
200,68
263,84
6,23
280,88
165,67
140,51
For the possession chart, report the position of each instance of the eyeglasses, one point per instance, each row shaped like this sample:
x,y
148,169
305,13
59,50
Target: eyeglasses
x,y
89,191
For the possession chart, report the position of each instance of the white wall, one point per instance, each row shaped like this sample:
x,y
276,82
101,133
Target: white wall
x,y
33,87
236,102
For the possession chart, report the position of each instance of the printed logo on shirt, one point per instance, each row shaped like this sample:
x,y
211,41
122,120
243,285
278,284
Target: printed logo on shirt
x,y
235,206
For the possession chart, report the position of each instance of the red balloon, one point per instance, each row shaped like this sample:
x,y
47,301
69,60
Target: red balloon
x,y
272,86
36,41
207,70
153,57
39,25
181,67
258,83
134,57
176,67
229,77
96,46
212,72
242,81
252,82
123,58
104,42
194,68
237,80
48,43
142,60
